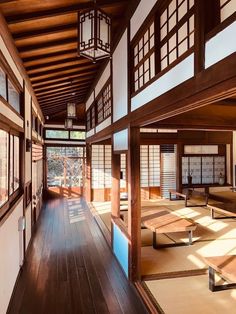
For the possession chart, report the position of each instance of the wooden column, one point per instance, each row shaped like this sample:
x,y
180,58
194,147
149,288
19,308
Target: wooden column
x,y
115,192
134,204
88,189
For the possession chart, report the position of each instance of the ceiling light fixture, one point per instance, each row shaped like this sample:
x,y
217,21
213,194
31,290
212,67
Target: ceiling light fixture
x,y
68,124
71,110
94,34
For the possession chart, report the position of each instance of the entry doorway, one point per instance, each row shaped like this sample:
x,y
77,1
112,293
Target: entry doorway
x,y
65,170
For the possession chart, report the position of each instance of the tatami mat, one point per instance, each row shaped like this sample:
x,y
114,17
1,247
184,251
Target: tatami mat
x,y
190,295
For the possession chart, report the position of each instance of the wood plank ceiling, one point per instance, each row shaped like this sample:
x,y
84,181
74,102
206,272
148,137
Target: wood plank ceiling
x,y
45,34
216,116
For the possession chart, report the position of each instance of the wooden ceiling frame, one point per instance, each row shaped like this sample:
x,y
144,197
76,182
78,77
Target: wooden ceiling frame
x,y
18,18
65,82
69,86
46,38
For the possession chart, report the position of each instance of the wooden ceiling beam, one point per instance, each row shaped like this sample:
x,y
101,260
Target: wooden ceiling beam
x,y
46,56
47,44
56,63
66,82
17,18
42,32
62,96
70,75
60,103
56,90
63,68
66,92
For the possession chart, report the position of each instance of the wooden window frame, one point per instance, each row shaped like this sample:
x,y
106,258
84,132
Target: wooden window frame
x,y
140,37
101,102
174,31
15,195
63,139
9,75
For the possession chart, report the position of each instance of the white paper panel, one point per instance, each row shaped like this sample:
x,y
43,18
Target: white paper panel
x,y
103,79
120,140
177,75
90,101
120,79
140,15
220,46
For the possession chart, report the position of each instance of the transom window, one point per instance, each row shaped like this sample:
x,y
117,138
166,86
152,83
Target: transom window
x,y
176,30
227,8
144,58
8,90
104,104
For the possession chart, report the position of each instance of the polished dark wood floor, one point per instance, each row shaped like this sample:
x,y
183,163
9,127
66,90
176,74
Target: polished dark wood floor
x,y
70,268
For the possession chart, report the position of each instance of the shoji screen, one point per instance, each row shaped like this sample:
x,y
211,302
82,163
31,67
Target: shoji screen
x,y
150,165
168,168
101,166
123,170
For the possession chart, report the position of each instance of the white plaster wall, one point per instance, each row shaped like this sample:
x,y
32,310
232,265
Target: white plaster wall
x,y
8,113
10,243
103,79
90,101
28,226
221,45
120,79
140,15
10,61
177,75
103,125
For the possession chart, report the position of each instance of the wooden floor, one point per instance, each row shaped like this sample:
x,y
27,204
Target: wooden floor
x,y
70,268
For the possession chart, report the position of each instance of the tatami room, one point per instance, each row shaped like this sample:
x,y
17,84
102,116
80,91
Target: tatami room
x,y
175,272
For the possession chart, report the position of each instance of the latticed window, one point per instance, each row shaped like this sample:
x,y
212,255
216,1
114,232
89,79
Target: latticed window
x,y
227,8
144,58
176,30
104,103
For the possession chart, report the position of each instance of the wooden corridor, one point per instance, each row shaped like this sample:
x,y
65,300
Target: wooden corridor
x,y
70,268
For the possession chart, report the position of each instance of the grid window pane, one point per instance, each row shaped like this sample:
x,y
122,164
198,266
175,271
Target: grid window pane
x,y
13,96
4,139
3,86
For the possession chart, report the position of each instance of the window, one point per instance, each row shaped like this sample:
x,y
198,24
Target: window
x,y
16,163
144,58
58,134
9,166
3,86
4,139
13,96
176,30
150,165
91,122
227,8
77,135
104,104
101,166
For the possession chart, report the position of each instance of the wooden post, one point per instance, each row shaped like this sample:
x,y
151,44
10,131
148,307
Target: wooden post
x,y
134,204
206,18
88,172
115,192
